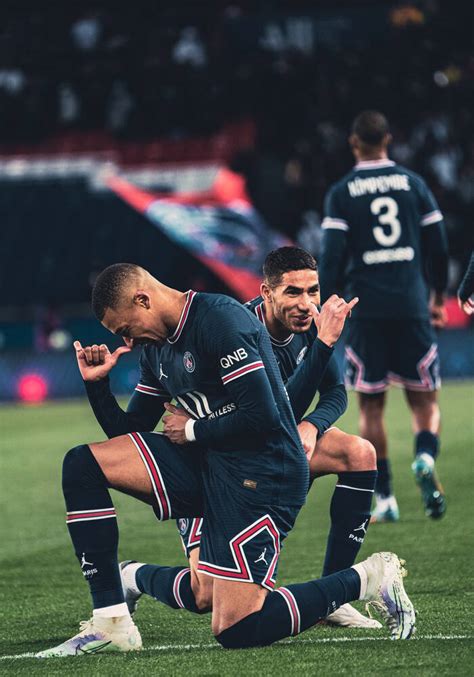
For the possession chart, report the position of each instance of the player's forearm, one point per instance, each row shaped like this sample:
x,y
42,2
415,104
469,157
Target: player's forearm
x,y
466,288
436,248
110,416
304,383
331,406
256,413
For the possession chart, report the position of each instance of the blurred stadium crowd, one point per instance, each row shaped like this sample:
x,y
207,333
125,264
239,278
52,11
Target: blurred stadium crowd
x,y
141,72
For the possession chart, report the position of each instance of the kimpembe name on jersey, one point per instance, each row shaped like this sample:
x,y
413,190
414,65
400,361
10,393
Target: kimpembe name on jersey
x,y
378,184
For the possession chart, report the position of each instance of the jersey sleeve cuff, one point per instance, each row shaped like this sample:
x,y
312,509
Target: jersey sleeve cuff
x,y
95,387
324,346
189,430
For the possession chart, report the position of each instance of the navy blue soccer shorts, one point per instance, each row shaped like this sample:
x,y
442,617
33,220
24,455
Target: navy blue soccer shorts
x,y
240,538
382,351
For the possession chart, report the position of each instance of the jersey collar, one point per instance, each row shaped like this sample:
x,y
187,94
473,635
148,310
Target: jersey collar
x,y
261,317
183,317
374,164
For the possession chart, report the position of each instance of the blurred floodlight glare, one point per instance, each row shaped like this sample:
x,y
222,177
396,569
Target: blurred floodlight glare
x,y
32,388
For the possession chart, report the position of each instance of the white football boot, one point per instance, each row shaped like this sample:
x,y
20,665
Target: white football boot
x,y
386,509
132,594
384,591
347,616
99,635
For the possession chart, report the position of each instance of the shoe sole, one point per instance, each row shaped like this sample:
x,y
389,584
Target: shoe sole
x,y
432,492
389,516
403,605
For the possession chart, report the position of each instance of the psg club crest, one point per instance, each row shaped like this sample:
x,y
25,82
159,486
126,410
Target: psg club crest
x,y
189,362
183,525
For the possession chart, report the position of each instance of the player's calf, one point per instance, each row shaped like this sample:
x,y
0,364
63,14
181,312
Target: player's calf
x,y
295,608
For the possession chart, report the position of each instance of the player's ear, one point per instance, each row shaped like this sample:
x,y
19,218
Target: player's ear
x,y
142,299
354,141
265,291
388,138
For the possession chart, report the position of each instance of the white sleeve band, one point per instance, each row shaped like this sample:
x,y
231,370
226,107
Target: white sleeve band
x,y
189,430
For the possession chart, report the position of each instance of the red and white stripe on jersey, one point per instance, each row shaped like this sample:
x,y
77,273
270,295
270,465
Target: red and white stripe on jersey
x,y
259,313
242,371
196,532
426,382
184,316
431,217
359,384
176,584
154,474
150,390
335,224
292,605
90,515
242,571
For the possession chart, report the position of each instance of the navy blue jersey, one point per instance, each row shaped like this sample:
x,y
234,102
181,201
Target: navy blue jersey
x,y
376,215
302,375
219,366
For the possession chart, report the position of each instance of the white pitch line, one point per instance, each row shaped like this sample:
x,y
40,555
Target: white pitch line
x,y
321,640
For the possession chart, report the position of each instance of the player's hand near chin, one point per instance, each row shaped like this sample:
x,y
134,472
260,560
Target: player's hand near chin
x,y
331,318
174,424
95,362
308,436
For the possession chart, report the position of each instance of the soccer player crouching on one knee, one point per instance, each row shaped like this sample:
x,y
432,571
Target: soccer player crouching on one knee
x,y
245,472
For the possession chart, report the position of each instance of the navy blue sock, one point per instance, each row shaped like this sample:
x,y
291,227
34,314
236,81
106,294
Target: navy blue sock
x,y
350,517
292,609
170,585
383,485
92,525
427,443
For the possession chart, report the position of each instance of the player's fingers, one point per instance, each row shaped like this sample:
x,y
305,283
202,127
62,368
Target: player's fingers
x,y
77,346
103,353
171,408
314,310
353,302
88,355
95,351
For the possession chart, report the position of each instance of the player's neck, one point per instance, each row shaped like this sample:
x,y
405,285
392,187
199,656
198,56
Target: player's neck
x,y
371,156
174,302
275,328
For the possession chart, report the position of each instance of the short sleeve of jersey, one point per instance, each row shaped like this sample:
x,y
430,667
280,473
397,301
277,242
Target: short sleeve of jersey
x,y
230,336
334,215
148,383
430,212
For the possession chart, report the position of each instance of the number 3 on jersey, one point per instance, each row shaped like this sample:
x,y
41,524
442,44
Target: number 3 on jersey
x,y
386,209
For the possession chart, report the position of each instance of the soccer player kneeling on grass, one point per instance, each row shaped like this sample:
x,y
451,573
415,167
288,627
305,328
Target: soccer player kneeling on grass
x,y
244,471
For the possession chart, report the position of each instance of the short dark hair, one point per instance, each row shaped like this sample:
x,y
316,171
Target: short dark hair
x,y
283,260
108,287
371,127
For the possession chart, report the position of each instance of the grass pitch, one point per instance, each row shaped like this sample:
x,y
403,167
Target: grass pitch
x,y
44,597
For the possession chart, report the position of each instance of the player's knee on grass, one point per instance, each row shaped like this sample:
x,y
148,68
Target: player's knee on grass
x,y
360,454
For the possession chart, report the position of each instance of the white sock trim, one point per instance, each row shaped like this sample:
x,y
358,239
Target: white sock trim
x,y
360,568
112,611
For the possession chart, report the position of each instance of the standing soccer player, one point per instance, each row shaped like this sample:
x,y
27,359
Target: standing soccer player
x,y
382,221
238,462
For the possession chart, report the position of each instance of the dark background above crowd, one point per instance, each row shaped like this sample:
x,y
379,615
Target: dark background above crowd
x,y
299,71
